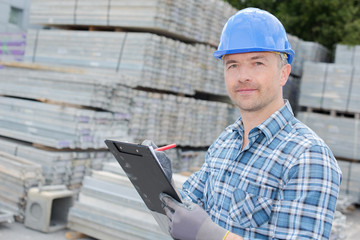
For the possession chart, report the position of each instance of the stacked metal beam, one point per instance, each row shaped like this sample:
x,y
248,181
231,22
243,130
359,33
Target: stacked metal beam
x,y
17,176
58,167
110,208
41,84
153,61
109,203
12,46
58,126
209,74
167,118
190,19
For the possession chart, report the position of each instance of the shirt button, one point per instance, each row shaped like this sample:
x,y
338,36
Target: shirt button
x,y
219,207
229,174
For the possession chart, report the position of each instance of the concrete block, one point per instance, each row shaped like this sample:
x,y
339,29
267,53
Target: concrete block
x,y
47,208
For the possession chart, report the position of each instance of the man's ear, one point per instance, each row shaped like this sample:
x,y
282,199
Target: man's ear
x,y
285,72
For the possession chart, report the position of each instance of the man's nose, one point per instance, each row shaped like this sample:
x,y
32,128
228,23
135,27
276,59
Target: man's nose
x,y
243,74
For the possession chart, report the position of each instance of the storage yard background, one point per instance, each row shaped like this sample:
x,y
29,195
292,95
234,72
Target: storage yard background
x,y
74,73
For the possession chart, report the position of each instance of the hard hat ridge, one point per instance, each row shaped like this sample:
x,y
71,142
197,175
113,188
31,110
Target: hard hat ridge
x,y
253,30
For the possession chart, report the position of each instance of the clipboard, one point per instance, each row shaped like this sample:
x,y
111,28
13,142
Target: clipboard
x,y
143,169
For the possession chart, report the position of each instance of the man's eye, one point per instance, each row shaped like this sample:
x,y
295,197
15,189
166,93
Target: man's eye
x,y
232,66
258,63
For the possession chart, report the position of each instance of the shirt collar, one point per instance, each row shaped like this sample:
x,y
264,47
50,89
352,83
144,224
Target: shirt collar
x,y
271,126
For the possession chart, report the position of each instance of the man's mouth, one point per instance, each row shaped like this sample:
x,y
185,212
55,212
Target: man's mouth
x,y
245,90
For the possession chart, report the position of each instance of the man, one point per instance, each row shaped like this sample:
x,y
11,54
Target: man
x,y
267,176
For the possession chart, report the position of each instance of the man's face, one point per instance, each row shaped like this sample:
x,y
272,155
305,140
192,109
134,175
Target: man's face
x,y
254,80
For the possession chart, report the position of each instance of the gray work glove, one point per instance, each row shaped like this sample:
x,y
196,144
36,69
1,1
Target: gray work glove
x,y
163,159
188,221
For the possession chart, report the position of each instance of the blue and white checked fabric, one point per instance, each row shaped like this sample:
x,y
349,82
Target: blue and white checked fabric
x,y
283,185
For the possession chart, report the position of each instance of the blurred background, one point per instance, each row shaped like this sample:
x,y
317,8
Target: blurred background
x,y
76,72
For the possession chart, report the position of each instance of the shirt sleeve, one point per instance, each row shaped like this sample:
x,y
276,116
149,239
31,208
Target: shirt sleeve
x,y
306,204
194,187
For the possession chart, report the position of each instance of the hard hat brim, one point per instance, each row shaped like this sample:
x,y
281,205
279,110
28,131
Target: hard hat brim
x,y
220,54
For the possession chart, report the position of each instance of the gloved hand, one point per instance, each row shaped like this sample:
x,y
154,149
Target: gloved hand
x,y
163,159
189,221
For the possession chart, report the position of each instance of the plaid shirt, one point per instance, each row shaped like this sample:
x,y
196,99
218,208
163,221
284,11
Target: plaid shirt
x,y
283,185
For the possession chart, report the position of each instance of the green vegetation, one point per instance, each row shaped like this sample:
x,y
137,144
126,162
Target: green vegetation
x,y
324,21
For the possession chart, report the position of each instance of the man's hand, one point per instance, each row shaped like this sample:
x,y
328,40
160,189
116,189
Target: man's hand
x,y
189,221
163,159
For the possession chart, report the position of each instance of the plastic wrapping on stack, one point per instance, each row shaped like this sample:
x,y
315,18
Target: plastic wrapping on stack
x,y
17,176
167,118
345,54
306,51
12,46
152,61
340,133
58,126
188,19
110,208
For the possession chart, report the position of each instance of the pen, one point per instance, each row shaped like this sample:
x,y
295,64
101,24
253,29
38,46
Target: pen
x,y
166,147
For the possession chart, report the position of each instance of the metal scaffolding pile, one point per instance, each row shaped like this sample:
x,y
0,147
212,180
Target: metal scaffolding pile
x,y
83,87
58,167
208,75
153,61
200,21
109,203
167,118
17,176
12,46
58,126
57,86
110,208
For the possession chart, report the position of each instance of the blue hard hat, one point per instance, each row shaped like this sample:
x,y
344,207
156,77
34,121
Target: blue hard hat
x,y
254,30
